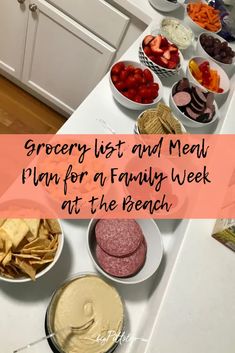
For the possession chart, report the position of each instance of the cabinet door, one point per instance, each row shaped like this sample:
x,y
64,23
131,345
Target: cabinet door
x,y
13,28
98,16
63,60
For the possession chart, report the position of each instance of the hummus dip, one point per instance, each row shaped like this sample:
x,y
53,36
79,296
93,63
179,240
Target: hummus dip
x,y
95,309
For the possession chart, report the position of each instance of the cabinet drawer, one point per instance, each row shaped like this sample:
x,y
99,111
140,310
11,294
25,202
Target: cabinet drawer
x,y
98,16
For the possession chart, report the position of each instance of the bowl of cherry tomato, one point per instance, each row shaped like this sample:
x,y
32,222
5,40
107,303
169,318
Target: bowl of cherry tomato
x,y
134,86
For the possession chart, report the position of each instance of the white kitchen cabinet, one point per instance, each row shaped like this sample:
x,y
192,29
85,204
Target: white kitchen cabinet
x,y
101,18
13,27
63,60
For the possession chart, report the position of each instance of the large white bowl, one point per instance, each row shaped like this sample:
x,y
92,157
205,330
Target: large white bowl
x,y
46,269
197,30
200,51
128,103
164,5
224,80
184,118
154,255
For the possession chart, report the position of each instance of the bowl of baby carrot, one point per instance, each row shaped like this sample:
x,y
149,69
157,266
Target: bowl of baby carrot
x,y
201,17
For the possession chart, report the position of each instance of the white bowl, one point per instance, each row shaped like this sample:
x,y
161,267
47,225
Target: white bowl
x,y
164,5
159,70
200,51
184,118
136,128
197,30
224,80
171,37
46,269
154,255
128,103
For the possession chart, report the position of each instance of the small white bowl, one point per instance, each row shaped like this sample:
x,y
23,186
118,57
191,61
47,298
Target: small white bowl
x,y
197,30
184,118
128,103
224,80
154,254
171,37
136,128
24,279
159,70
200,51
164,5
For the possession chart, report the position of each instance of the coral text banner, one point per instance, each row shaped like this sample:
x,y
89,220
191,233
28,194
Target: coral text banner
x,y
117,176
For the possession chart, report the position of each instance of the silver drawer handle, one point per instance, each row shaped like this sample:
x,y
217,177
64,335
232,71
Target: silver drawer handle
x,y
33,7
21,1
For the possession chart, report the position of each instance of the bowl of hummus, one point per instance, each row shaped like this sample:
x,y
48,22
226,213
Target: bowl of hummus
x,y
86,314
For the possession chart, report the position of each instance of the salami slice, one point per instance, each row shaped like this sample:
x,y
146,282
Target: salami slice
x,y
191,114
199,95
183,85
195,109
210,100
122,266
118,237
182,99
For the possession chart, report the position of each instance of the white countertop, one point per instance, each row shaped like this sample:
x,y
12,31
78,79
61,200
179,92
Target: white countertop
x,y
198,310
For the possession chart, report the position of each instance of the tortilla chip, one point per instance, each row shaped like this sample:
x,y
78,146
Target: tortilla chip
x,y
54,226
33,224
26,268
16,229
7,259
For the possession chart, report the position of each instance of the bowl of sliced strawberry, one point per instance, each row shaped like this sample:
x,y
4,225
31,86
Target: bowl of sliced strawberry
x,y
160,55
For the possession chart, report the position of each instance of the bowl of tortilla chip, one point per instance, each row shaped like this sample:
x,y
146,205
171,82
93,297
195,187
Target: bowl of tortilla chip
x,y
29,248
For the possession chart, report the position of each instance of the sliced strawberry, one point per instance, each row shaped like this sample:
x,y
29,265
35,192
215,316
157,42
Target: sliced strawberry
x,y
147,50
173,49
171,64
148,39
164,43
152,58
164,60
167,54
156,42
157,50
175,58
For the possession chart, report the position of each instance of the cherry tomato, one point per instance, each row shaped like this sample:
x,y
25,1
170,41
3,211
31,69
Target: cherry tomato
x,y
127,95
143,92
138,78
120,85
123,74
130,69
117,68
138,99
147,100
132,93
156,85
114,78
138,71
131,82
153,92
148,75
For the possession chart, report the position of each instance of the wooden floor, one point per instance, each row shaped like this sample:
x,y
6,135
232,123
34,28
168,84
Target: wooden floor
x,y
20,113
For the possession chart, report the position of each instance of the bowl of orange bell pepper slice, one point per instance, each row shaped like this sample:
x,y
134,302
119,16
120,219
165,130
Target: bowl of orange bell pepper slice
x,y
207,74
